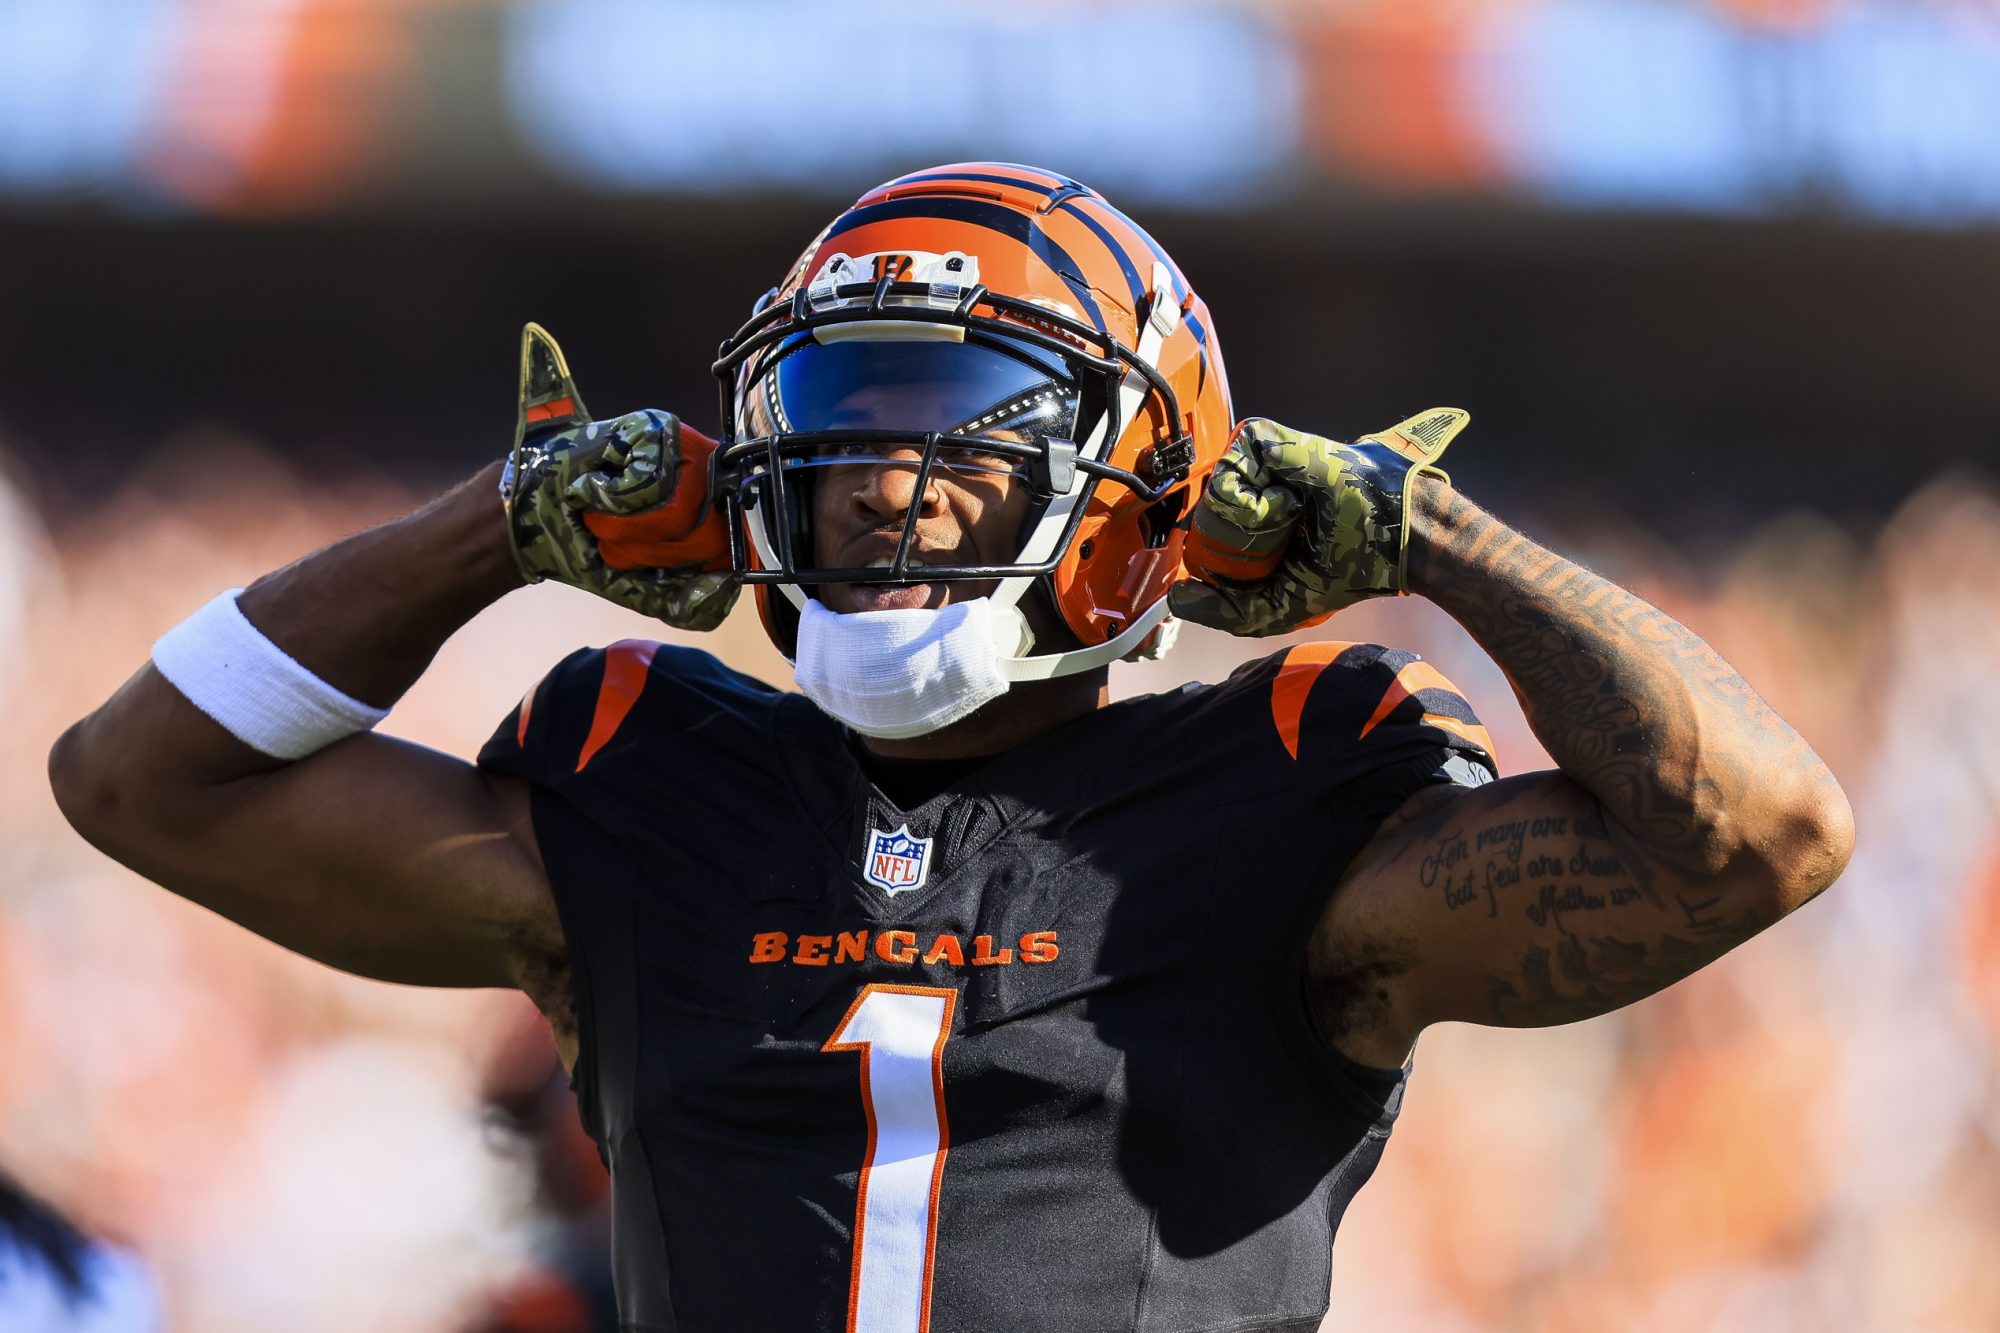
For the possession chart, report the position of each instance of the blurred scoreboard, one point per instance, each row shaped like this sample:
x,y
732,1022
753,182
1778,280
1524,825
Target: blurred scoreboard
x,y
1886,110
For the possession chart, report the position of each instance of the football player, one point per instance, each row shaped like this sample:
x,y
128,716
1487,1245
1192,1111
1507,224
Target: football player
x,y
944,993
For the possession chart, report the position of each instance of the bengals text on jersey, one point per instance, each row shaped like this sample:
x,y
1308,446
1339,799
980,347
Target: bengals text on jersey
x,y
1030,1053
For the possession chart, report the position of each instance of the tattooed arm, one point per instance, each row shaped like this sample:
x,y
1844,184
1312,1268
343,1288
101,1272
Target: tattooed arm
x,y
1683,815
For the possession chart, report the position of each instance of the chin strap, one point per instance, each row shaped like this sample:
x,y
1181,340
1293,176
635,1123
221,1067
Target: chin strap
x,y
1123,644
1163,316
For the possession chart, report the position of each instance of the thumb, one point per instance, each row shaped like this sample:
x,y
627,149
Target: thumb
x,y
548,397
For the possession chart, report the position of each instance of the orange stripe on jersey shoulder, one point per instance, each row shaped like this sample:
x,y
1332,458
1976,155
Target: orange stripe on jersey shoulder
x,y
1418,675
527,707
1294,682
625,668
1421,675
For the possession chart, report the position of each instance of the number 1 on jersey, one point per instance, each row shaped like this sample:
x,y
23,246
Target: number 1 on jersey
x,y
900,1032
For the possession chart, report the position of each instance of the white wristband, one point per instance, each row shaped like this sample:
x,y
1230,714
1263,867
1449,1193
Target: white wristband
x,y
259,694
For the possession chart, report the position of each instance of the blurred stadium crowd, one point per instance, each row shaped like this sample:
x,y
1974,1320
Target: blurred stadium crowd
x,y
1887,108
1806,1137
255,261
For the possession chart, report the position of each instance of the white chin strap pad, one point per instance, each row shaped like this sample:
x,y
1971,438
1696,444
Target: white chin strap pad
x,y
896,674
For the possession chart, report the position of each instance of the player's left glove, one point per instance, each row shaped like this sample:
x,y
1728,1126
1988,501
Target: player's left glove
x,y
1294,527
620,507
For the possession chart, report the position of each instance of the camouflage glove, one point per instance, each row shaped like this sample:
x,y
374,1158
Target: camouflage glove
x,y
597,505
1294,527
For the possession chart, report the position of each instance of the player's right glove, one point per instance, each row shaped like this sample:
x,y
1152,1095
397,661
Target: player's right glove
x,y
617,507
1293,527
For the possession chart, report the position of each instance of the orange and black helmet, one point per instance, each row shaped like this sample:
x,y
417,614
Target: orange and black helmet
x,y
1046,329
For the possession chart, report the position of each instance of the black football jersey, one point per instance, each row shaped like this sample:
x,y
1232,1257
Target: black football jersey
x,y
1032,1054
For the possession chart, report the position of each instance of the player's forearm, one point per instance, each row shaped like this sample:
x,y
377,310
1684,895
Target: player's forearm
x,y
1684,757
368,613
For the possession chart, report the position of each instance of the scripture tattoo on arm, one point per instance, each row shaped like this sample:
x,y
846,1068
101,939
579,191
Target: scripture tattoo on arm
x,y
1684,815
1524,913
1686,758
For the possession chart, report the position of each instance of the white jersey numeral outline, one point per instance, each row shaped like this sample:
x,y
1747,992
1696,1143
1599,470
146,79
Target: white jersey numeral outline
x,y
900,1032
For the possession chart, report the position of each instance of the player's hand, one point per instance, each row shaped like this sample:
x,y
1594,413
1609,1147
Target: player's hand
x,y
1294,527
617,507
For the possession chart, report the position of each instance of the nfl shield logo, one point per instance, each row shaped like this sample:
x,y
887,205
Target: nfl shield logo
x,y
897,862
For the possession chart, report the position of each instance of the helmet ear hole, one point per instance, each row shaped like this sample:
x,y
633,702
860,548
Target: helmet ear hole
x,y
1161,518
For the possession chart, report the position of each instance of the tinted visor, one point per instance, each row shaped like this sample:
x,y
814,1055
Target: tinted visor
x,y
990,388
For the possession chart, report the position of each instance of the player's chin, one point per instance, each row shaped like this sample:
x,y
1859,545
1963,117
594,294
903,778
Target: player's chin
x,y
847,598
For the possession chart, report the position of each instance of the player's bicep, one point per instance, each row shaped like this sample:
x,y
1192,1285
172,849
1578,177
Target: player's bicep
x,y
1514,904
374,855
386,859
